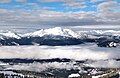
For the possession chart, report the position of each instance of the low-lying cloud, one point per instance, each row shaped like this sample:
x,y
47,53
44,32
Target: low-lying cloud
x,y
48,52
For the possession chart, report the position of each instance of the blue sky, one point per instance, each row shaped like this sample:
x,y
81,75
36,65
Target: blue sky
x,y
52,5
61,12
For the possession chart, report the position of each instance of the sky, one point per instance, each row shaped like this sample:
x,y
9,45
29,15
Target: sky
x,y
59,12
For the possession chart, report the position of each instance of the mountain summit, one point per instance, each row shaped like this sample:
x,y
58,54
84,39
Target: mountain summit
x,y
57,31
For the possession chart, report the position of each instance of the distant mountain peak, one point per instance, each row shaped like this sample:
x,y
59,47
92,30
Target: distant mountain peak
x,y
10,34
57,31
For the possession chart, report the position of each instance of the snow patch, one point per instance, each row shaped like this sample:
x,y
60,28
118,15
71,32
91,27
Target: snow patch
x,y
74,75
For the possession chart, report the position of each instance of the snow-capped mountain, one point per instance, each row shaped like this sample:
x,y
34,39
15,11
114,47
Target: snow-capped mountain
x,y
9,34
102,32
57,31
59,36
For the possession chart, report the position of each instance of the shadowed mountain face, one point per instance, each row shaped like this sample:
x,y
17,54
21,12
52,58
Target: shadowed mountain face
x,y
58,37
40,41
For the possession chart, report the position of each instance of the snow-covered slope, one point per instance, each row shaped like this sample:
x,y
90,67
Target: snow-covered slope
x,y
57,31
102,32
9,34
60,36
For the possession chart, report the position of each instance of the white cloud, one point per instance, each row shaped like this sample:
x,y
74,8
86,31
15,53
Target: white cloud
x,y
108,6
97,0
23,1
108,12
106,64
74,4
50,0
45,16
47,52
38,67
69,3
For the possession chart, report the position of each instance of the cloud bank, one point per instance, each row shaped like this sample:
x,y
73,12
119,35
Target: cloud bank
x,y
48,52
74,12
